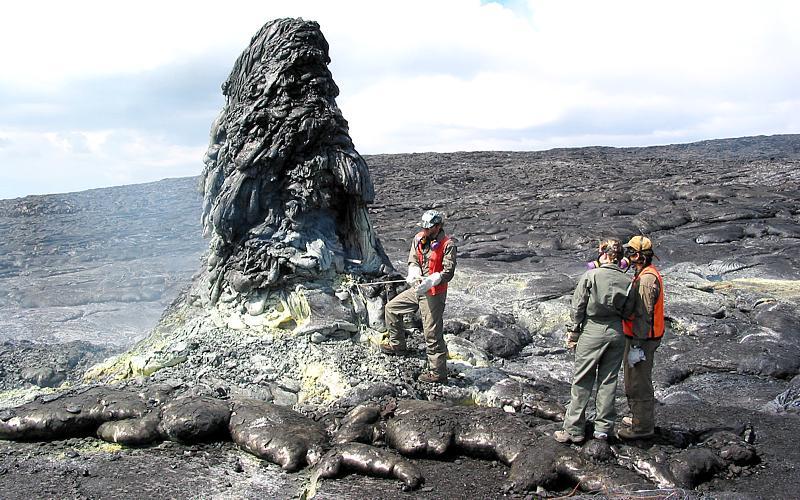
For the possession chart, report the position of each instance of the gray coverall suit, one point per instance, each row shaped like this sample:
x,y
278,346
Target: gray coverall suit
x,y
431,308
597,307
639,378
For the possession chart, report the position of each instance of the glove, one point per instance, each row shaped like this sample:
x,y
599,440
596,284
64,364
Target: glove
x,y
428,283
414,274
572,336
635,355
425,285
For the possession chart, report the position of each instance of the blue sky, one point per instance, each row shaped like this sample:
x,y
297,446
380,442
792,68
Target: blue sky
x,y
97,93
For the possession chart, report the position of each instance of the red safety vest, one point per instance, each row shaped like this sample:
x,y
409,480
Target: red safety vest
x,y
435,260
657,327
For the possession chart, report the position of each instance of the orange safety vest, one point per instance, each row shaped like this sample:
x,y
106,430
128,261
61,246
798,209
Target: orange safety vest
x,y
435,260
657,326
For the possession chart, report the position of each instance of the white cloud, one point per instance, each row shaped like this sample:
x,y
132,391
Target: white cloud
x,y
417,75
51,162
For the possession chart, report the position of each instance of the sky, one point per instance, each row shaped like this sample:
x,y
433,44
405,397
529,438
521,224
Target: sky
x,y
99,93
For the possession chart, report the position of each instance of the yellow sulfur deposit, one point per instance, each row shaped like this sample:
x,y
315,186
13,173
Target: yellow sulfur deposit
x,y
778,289
321,382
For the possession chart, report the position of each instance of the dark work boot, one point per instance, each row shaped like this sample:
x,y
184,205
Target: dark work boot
x,y
629,433
393,350
641,422
432,378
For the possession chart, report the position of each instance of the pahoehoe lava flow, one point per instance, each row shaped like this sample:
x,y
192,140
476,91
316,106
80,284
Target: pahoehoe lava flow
x,y
263,378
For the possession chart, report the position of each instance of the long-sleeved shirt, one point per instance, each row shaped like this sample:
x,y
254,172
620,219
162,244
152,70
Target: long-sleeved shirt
x,y
641,304
600,295
448,261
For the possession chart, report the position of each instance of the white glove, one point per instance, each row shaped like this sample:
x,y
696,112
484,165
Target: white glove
x,y
635,355
414,274
436,277
425,285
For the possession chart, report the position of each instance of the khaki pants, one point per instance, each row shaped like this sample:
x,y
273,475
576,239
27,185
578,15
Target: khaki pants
x,y
597,359
431,309
639,386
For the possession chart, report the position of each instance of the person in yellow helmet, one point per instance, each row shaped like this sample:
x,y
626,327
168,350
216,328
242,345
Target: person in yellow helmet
x,y
643,327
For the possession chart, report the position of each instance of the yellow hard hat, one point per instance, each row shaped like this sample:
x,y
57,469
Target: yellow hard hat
x,y
639,244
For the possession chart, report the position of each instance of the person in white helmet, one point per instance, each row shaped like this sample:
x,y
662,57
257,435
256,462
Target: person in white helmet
x,y
431,265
